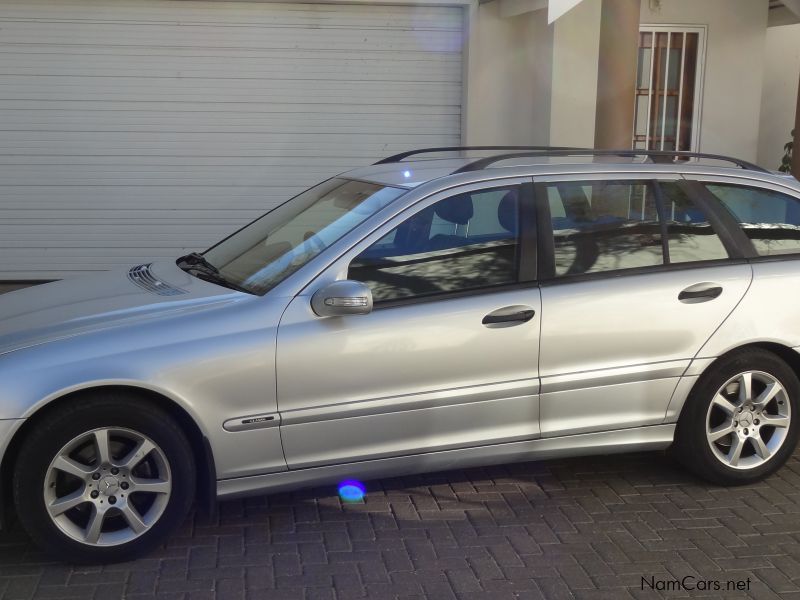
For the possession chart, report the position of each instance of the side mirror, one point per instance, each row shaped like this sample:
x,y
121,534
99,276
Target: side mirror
x,y
342,298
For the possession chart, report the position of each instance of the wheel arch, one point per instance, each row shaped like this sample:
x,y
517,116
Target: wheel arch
x,y
787,354
206,476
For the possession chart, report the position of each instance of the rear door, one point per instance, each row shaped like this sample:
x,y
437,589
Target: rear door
x,y
636,275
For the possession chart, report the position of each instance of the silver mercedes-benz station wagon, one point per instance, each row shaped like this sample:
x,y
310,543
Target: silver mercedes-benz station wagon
x,y
435,310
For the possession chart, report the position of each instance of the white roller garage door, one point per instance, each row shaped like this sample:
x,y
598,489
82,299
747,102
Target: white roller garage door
x,y
136,129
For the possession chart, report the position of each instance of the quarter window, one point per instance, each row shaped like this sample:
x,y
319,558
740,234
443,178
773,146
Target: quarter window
x,y
770,219
464,242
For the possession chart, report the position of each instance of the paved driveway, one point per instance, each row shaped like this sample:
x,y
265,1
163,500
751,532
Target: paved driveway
x,y
582,528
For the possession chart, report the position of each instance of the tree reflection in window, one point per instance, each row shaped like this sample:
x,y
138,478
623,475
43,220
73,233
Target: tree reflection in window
x,y
464,242
769,218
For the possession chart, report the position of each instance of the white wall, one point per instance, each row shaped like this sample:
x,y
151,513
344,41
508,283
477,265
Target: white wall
x,y
508,80
733,70
779,96
576,47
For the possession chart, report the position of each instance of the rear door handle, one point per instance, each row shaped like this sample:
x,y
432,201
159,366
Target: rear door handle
x,y
509,315
700,292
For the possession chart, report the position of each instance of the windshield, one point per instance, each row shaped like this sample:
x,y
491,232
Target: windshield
x,y
273,247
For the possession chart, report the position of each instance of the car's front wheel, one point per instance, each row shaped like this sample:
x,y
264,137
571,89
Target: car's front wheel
x,y
741,420
104,479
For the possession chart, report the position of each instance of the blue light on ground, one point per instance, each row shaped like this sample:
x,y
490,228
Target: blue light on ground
x,y
351,491
406,174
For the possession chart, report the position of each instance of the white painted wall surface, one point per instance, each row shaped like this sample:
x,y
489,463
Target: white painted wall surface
x,y
779,97
733,69
576,46
508,86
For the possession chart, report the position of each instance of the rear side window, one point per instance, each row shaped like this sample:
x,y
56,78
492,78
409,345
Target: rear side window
x,y
604,226
616,225
770,219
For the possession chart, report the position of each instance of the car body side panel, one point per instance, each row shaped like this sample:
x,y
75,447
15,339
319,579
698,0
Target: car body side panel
x,y
218,365
406,379
613,349
606,442
769,312
766,314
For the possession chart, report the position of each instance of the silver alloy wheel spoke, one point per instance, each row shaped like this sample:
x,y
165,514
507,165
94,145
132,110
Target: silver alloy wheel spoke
x,y
153,486
768,394
774,420
745,407
65,503
760,447
725,404
735,452
67,465
721,431
133,519
137,455
101,512
101,444
745,387
95,525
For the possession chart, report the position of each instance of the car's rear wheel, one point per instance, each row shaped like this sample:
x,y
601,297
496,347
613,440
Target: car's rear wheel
x,y
740,422
104,479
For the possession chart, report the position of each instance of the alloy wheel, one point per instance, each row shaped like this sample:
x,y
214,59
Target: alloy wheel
x,y
107,486
748,420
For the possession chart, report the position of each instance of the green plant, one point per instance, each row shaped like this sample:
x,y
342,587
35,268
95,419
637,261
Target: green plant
x,y
786,161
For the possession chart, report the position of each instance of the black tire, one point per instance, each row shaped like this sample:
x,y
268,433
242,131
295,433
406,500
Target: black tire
x,y
692,447
89,412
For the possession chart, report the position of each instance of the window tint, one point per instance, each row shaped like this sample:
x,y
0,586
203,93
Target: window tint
x,y
690,235
770,219
463,242
604,226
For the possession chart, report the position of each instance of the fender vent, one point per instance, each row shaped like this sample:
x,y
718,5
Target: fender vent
x,y
142,276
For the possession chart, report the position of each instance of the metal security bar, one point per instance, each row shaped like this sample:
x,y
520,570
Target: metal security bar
x,y
668,87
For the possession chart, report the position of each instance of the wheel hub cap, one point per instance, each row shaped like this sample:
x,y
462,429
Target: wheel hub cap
x,y
109,485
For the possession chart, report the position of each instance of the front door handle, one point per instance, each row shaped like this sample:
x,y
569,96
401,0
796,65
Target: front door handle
x,y
700,292
509,315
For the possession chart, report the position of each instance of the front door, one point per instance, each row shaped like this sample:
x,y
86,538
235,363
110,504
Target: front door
x,y
447,359
637,275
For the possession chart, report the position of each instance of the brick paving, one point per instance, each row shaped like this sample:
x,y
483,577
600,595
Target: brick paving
x,y
576,528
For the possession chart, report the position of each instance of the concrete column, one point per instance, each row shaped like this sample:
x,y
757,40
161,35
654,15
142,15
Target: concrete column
x,y
576,43
796,147
616,73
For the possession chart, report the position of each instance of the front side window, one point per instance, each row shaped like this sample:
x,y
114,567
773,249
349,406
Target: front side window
x,y
770,219
603,226
464,242
273,247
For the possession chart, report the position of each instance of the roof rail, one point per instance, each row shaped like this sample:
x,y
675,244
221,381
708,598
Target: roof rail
x,y
398,157
658,156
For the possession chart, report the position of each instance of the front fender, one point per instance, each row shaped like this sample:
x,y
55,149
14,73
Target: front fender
x,y
215,370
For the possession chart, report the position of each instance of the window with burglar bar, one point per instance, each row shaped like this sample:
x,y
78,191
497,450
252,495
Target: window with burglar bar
x,y
668,88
